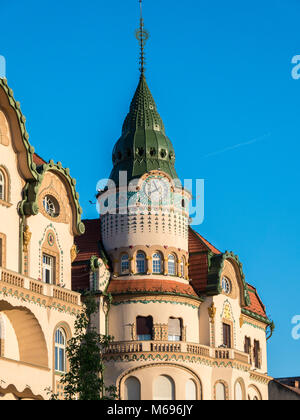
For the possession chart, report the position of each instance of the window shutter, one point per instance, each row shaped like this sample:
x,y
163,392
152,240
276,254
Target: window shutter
x,y
174,327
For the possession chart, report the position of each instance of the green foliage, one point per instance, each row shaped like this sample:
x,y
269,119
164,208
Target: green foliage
x,y
85,378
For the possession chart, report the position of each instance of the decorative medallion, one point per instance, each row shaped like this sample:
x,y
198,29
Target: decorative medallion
x,y
51,239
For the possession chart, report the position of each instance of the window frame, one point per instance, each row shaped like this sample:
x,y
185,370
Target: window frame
x,y
157,259
50,267
171,264
227,335
256,354
123,262
2,250
5,198
144,336
60,350
54,203
2,186
139,260
171,337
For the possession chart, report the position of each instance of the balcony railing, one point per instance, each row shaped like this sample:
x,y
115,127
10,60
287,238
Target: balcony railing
x,y
10,278
178,347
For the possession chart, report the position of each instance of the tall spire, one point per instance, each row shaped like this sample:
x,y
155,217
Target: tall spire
x,y
143,145
142,35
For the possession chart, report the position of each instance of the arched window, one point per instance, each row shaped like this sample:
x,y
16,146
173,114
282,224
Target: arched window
x,y
226,285
157,266
190,390
60,350
124,264
140,263
144,328
164,388
172,265
132,389
220,392
174,329
2,186
238,391
51,206
182,265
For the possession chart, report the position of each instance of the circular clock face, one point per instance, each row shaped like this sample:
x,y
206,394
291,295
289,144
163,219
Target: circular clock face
x,y
157,190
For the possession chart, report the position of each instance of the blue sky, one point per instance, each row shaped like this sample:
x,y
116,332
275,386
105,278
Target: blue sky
x,y
220,73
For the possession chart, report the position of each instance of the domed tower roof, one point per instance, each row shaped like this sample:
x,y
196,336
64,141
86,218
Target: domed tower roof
x,y
143,145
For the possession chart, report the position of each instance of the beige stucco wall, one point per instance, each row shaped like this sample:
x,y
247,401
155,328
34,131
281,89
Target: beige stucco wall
x,y
122,317
204,376
9,219
31,314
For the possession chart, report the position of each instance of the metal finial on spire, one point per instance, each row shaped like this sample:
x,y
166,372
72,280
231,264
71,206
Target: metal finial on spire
x,y
142,35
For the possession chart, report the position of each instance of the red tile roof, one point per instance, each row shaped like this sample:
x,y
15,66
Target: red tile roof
x,y
143,285
38,160
197,243
198,262
88,244
256,305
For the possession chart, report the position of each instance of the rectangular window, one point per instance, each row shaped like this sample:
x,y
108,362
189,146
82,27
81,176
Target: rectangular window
x,y
174,329
227,335
247,346
48,269
256,354
144,327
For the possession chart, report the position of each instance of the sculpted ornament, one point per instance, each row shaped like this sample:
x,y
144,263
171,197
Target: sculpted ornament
x,y
212,312
26,238
73,253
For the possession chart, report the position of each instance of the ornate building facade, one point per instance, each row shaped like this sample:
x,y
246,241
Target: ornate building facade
x,y
39,218
186,324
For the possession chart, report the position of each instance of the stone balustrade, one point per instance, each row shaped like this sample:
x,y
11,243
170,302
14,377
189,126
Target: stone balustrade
x,y
176,347
10,278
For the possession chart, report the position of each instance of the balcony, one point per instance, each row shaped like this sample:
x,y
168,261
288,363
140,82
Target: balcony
x,y
53,295
190,349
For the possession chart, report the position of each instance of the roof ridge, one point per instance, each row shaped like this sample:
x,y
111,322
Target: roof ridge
x,y
206,242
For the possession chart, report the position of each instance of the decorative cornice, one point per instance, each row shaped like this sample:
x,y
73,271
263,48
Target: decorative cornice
x,y
29,205
154,297
175,357
256,316
261,378
44,302
15,105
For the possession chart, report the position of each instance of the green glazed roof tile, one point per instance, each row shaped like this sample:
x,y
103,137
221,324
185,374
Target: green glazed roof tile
x,y
143,145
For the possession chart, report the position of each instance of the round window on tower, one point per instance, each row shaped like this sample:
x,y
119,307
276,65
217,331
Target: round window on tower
x,y
226,285
51,206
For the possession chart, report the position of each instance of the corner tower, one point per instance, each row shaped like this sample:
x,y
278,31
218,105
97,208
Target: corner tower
x,y
144,220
